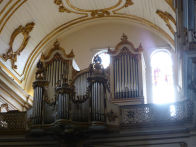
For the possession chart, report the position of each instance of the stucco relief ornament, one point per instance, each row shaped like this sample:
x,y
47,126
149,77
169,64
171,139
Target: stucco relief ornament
x,y
12,55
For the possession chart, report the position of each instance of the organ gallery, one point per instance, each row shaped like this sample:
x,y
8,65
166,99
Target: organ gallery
x,y
63,95
98,73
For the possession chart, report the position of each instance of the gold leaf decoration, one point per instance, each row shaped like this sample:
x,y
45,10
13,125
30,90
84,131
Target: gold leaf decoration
x,y
128,3
170,3
25,32
61,6
100,13
167,18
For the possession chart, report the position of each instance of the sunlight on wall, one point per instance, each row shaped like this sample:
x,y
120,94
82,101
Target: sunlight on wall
x,y
162,77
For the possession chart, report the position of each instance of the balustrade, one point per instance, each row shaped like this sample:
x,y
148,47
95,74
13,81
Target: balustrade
x,y
13,120
152,114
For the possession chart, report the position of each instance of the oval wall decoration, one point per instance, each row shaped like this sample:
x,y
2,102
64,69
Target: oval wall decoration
x,y
12,55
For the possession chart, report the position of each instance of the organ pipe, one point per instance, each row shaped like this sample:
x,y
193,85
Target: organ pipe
x,y
97,85
125,76
38,85
64,93
126,70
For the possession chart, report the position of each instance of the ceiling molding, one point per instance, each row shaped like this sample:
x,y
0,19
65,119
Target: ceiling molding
x,y
126,4
170,3
93,12
11,11
167,18
5,7
63,9
85,10
12,55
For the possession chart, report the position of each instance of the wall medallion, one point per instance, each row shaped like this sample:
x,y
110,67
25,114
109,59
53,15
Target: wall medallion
x,y
24,31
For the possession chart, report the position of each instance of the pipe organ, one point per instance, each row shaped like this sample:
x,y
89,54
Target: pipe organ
x,y
38,103
80,105
57,64
126,72
97,90
62,94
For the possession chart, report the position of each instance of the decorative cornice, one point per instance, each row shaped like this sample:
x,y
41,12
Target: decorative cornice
x,y
167,18
25,32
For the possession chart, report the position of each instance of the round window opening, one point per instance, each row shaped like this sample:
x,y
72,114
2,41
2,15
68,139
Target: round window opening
x,y
105,58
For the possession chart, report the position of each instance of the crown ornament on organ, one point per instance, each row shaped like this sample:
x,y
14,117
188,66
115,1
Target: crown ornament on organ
x,y
124,37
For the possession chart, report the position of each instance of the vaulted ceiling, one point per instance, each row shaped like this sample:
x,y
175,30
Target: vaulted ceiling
x,y
27,26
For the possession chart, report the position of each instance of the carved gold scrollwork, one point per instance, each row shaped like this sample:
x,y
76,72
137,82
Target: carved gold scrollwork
x,y
25,32
128,3
68,7
100,13
61,7
167,17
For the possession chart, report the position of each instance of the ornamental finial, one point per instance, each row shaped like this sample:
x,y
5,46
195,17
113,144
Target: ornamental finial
x,y
124,37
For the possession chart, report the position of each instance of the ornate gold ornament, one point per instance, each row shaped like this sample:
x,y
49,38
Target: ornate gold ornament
x,y
100,13
25,32
167,18
93,13
170,3
128,3
61,6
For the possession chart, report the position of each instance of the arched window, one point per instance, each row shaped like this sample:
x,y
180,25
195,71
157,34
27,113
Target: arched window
x,y
162,77
104,57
